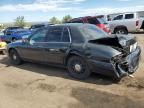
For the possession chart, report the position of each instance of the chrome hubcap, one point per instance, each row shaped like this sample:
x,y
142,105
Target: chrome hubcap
x,y
120,32
78,67
14,57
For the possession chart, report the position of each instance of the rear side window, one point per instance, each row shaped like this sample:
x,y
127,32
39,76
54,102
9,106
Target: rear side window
x,y
93,21
65,36
119,17
76,35
54,34
129,16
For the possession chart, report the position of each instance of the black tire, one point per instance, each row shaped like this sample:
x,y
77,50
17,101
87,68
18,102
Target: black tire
x,y
80,74
14,57
121,31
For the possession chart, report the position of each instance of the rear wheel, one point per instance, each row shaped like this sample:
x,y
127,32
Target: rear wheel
x,y
14,57
78,68
121,31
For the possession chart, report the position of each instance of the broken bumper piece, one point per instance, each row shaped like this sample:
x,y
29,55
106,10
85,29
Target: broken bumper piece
x,y
130,65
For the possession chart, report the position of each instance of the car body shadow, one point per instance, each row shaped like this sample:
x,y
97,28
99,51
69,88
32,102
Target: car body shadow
x,y
57,72
138,32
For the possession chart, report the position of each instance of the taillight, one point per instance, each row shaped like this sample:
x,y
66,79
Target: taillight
x,y
105,28
137,23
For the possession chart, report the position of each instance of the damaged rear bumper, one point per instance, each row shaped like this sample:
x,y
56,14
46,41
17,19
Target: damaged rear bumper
x,y
117,69
129,65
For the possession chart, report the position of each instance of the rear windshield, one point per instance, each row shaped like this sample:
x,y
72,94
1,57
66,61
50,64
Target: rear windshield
x,y
91,32
93,20
37,26
102,20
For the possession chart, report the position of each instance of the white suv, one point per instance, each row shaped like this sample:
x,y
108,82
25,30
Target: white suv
x,y
127,22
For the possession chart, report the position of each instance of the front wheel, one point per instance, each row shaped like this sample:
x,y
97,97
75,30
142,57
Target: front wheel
x,y
78,68
14,57
121,31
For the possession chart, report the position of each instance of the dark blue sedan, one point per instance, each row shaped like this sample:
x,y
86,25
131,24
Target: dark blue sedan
x,y
82,48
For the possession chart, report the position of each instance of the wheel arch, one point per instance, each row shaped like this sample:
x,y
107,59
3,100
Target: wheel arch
x,y
70,54
10,49
120,27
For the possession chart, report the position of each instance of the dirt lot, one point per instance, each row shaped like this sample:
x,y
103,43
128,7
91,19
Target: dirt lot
x,y
37,86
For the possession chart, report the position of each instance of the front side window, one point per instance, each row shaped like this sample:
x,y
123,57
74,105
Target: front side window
x,y
119,17
129,16
39,36
54,34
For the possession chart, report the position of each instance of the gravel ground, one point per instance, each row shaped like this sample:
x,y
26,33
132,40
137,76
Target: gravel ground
x,y
38,86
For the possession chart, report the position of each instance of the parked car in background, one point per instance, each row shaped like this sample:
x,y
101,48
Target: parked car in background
x,y
13,35
11,28
123,23
82,48
98,21
38,26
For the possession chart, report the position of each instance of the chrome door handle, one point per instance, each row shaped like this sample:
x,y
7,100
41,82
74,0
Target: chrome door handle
x,y
52,50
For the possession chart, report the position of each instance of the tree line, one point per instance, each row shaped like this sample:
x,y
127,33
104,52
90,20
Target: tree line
x,y
20,21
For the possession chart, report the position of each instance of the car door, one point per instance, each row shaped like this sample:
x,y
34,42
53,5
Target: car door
x,y
117,21
130,21
33,50
57,45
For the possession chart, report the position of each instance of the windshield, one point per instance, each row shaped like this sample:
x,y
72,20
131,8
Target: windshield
x,y
102,20
91,32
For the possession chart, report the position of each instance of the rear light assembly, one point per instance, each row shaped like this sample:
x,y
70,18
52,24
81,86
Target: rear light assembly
x,y
105,28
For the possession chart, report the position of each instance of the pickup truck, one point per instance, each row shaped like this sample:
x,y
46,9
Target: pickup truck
x,y
126,22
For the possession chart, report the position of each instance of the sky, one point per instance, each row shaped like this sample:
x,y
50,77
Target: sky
x,y
43,10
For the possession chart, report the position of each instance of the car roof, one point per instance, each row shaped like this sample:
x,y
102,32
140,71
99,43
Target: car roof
x,y
17,30
84,17
71,24
42,24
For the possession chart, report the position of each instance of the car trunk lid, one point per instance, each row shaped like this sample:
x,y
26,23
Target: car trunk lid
x,y
120,42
